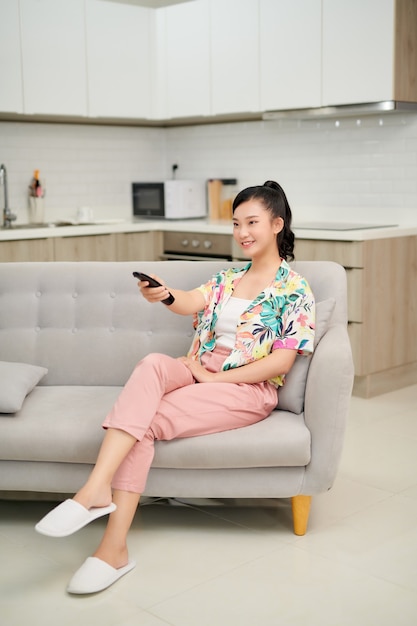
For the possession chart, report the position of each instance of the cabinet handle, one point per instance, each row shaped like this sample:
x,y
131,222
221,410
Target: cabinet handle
x,y
184,243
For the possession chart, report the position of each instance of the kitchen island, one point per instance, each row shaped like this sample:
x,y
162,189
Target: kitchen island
x,y
381,267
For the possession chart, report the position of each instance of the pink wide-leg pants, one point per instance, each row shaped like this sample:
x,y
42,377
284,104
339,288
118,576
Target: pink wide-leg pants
x,y
161,401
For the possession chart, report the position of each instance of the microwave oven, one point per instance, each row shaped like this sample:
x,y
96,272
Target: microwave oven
x,y
170,200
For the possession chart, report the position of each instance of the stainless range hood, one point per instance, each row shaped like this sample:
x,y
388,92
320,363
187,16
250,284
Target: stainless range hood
x,y
342,111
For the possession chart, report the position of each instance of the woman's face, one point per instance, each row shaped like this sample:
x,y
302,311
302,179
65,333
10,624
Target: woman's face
x,y
254,230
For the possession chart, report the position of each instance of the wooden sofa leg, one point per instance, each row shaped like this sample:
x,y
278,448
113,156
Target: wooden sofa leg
x,y
300,512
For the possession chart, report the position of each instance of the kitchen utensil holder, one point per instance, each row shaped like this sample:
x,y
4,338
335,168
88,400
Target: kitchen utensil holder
x,y
36,210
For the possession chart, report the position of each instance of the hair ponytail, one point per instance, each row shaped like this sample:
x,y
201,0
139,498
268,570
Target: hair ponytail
x,y
273,197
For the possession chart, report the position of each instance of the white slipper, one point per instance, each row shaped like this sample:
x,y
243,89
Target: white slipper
x,y
95,575
68,517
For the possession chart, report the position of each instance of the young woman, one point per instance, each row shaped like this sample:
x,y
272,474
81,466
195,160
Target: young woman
x,y
250,324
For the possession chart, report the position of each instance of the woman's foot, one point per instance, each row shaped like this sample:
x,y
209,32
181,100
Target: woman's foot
x,y
117,558
90,496
96,575
69,517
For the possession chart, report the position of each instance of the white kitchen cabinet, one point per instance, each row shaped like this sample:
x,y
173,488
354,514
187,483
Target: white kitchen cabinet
x,y
186,65
369,51
290,54
158,66
234,56
11,92
358,47
119,40
53,57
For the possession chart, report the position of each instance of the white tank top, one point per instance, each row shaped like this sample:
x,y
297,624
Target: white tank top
x,y
227,322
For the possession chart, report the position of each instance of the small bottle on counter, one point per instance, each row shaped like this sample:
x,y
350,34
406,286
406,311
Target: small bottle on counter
x,y
35,188
36,194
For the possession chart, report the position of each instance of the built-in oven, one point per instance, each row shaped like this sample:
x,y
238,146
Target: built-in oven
x,y
183,246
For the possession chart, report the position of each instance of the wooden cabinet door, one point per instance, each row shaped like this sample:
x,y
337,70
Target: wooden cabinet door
x,y
23,250
85,248
138,246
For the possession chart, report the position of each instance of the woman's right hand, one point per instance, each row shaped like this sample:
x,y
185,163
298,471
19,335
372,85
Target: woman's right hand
x,y
153,294
185,303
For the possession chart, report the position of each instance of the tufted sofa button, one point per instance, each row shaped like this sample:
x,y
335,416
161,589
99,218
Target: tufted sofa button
x,y
149,333
37,329
38,294
112,329
75,294
112,294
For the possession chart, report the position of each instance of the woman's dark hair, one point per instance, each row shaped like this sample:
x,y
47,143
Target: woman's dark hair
x,y
273,197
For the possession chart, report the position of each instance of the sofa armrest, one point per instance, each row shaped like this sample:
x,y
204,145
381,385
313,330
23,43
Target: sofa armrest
x,y
328,392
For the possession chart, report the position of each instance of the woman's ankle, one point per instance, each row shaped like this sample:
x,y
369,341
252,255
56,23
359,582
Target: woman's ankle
x,y
90,496
116,557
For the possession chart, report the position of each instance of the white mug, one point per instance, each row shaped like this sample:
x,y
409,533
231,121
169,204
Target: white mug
x,y
84,214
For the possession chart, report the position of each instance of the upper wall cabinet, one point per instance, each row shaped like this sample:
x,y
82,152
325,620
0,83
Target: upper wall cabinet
x,y
118,60
186,63
53,57
290,54
234,56
11,92
119,42
369,51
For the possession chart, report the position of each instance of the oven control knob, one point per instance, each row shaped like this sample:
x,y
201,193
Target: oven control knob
x,y
195,243
208,244
184,243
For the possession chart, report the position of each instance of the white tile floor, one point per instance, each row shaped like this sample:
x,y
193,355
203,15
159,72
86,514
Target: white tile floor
x,y
239,564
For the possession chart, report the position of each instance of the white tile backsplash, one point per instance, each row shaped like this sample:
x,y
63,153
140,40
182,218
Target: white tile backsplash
x,y
80,165
365,171
352,171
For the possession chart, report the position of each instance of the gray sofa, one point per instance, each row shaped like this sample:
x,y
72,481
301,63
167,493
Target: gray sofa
x,y
85,325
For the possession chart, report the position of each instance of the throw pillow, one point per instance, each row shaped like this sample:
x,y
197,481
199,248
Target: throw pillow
x,y
16,381
291,394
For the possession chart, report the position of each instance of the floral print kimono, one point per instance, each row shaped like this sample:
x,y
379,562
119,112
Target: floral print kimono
x,y
281,316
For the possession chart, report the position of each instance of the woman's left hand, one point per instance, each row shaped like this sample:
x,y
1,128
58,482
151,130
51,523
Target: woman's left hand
x,y
197,370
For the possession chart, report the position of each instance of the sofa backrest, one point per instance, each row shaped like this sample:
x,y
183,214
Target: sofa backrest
x,y
88,324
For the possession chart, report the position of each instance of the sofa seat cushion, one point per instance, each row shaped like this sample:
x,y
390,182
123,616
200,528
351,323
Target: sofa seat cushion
x,y
280,440
63,424
57,423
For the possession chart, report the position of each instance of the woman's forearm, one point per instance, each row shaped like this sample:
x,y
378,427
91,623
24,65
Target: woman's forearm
x,y
186,302
275,364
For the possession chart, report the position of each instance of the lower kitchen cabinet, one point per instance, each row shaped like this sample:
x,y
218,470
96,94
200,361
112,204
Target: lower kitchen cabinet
x,y
23,250
108,247
382,307
85,248
138,246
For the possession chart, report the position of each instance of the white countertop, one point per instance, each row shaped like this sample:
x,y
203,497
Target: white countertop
x,y
198,226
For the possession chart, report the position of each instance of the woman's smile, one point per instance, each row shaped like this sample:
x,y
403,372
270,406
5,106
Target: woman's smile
x,y
246,244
